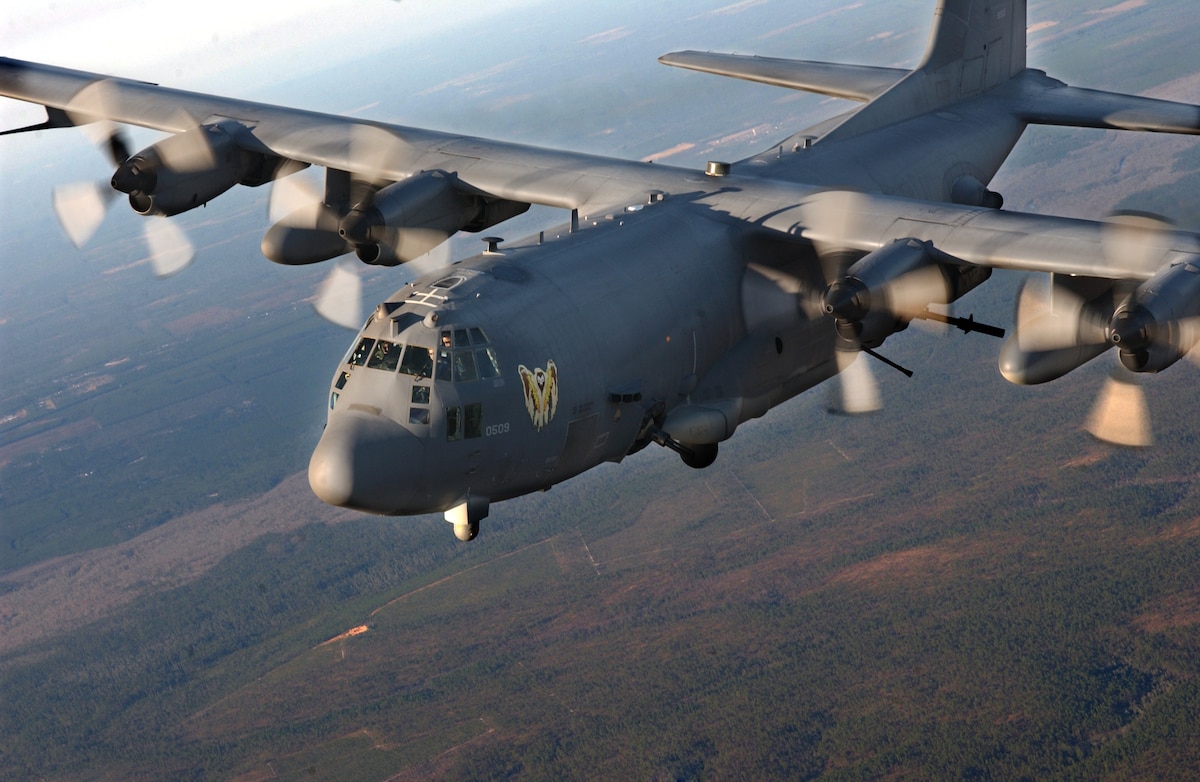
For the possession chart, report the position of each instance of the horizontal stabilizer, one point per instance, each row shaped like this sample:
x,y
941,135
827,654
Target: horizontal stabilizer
x,y
1057,104
853,82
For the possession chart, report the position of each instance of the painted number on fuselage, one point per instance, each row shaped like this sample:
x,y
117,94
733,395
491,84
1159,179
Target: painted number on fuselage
x,y
495,429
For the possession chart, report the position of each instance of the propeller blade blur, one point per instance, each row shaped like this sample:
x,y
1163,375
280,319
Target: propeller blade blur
x,y
1046,319
80,207
910,294
1121,416
860,392
187,151
1136,236
1051,316
371,150
170,249
437,258
290,194
339,300
1193,355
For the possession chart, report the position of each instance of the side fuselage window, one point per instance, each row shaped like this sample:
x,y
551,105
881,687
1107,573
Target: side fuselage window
x,y
464,422
473,423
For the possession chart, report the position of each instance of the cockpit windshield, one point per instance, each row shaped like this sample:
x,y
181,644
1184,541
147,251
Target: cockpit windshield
x,y
459,355
417,362
385,356
463,355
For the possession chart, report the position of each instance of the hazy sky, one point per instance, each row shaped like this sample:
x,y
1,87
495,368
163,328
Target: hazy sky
x,y
124,35
206,44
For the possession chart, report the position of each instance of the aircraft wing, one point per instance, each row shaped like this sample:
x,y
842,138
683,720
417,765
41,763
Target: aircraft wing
x,y
853,82
863,222
511,171
527,174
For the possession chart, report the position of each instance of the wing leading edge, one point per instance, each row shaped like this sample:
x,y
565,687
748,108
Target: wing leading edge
x,y
852,82
518,172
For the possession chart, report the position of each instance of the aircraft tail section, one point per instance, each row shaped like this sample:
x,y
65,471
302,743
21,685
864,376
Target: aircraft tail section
x,y
975,46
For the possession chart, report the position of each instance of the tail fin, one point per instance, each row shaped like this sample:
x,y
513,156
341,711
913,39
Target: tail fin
x,y
975,45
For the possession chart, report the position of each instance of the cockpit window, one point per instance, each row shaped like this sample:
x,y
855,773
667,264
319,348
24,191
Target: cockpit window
x,y
462,356
385,356
489,366
464,366
362,352
417,361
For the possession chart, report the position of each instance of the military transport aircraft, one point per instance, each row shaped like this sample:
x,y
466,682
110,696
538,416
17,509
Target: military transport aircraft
x,y
673,304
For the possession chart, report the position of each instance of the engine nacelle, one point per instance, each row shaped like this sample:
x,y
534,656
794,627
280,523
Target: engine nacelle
x,y
1161,322
887,288
189,169
407,219
307,235
394,225
1060,327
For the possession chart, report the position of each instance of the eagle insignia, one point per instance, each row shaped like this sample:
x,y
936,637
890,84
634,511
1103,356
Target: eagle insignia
x,y
541,393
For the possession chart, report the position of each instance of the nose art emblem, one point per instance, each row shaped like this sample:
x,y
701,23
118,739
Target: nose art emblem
x,y
541,393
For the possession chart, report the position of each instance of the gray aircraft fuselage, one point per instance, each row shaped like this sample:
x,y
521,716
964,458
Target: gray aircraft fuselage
x,y
676,304
664,316
633,324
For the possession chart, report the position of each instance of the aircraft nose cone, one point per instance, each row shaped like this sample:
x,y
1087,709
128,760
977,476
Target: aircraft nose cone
x,y
366,462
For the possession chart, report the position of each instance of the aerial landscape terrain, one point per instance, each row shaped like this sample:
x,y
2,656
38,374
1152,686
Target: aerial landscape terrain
x,y
962,585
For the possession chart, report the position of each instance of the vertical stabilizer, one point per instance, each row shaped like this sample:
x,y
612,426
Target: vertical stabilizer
x,y
975,45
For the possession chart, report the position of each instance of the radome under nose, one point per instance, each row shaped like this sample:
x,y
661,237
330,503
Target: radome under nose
x,y
366,462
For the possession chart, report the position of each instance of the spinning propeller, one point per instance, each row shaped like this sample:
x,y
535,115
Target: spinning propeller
x,y
352,214
81,206
362,208
1063,322
880,293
